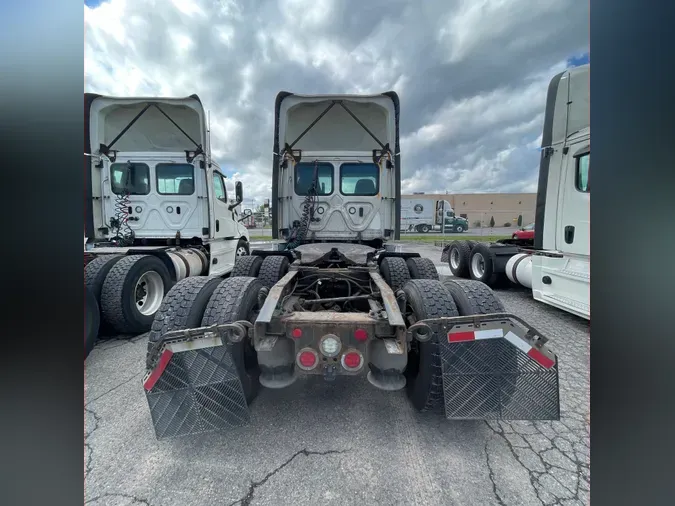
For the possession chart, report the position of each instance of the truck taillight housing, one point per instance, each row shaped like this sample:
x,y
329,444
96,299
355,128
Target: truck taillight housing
x,y
360,335
296,333
307,359
352,360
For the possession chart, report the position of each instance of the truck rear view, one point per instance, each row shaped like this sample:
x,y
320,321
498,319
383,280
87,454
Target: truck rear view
x,y
334,298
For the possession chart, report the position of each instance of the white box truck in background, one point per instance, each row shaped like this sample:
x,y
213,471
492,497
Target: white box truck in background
x,y
426,215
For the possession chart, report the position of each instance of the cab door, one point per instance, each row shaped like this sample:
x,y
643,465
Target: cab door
x,y
224,224
574,222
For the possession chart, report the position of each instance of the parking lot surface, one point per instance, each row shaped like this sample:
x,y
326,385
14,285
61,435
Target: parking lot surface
x,y
342,443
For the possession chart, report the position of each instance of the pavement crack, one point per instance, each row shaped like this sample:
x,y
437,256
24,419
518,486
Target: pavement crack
x,y
492,475
246,499
134,499
88,466
114,388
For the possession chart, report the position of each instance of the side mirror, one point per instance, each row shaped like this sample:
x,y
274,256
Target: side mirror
x,y
239,194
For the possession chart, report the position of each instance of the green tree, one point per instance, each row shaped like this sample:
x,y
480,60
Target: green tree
x,y
492,221
520,220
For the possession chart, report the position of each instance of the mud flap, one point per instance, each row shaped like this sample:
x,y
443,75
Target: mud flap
x,y
194,386
445,254
496,368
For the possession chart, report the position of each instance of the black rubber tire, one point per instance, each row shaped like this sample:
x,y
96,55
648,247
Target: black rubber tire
x,y
237,299
421,268
471,244
273,268
117,307
459,229
395,272
426,298
96,271
183,306
92,320
243,243
464,250
247,266
489,277
473,297
424,228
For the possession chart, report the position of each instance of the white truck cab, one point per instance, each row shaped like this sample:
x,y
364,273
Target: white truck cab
x,y
153,189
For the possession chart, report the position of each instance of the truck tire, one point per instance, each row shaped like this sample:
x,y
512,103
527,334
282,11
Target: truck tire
x,y
426,298
246,266
242,248
96,271
183,306
482,265
458,258
273,268
92,320
459,229
473,297
395,272
133,291
424,228
237,299
471,244
421,268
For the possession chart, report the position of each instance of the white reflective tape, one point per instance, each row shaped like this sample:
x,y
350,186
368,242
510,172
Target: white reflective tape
x,y
517,342
488,334
197,344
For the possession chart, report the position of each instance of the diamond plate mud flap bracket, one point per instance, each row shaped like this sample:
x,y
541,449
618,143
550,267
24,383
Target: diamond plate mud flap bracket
x,y
494,367
192,385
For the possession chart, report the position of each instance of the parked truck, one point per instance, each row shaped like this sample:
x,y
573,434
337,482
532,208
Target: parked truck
x,y
334,297
555,264
157,208
426,215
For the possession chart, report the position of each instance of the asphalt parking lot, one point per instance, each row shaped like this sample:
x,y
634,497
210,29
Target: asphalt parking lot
x,y
343,443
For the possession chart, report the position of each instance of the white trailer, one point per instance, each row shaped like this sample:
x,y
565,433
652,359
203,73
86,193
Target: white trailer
x,y
556,264
426,215
157,205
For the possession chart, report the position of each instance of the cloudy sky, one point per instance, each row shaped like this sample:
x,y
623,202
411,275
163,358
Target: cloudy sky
x,y
471,74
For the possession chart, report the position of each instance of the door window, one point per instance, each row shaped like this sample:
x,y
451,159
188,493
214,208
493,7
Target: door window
x,y
219,187
583,173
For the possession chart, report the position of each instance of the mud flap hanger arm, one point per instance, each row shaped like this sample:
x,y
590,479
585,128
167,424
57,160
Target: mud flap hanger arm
x,y
288,148
107,149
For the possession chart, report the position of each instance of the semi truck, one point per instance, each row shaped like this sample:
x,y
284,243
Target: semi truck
x,y
555,264
157,207
426,215
333,297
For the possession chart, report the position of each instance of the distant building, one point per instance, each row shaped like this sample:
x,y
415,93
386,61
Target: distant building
x,y
480,207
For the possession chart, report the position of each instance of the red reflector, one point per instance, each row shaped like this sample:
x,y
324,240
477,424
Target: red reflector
x,y
159,369
297,333
307,359
352,360
460,336
360,335
541,358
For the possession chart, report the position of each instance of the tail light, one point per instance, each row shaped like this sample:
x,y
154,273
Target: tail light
x,y
307,359
360,335
297,333
352,360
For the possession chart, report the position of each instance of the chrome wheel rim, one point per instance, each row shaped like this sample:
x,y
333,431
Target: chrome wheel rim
x,y
148,293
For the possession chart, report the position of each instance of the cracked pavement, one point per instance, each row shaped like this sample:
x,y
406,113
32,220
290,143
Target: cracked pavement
x,y
342,443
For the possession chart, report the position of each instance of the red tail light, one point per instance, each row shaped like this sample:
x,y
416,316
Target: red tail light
x,y
297,333
307,359
352,360
360,335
